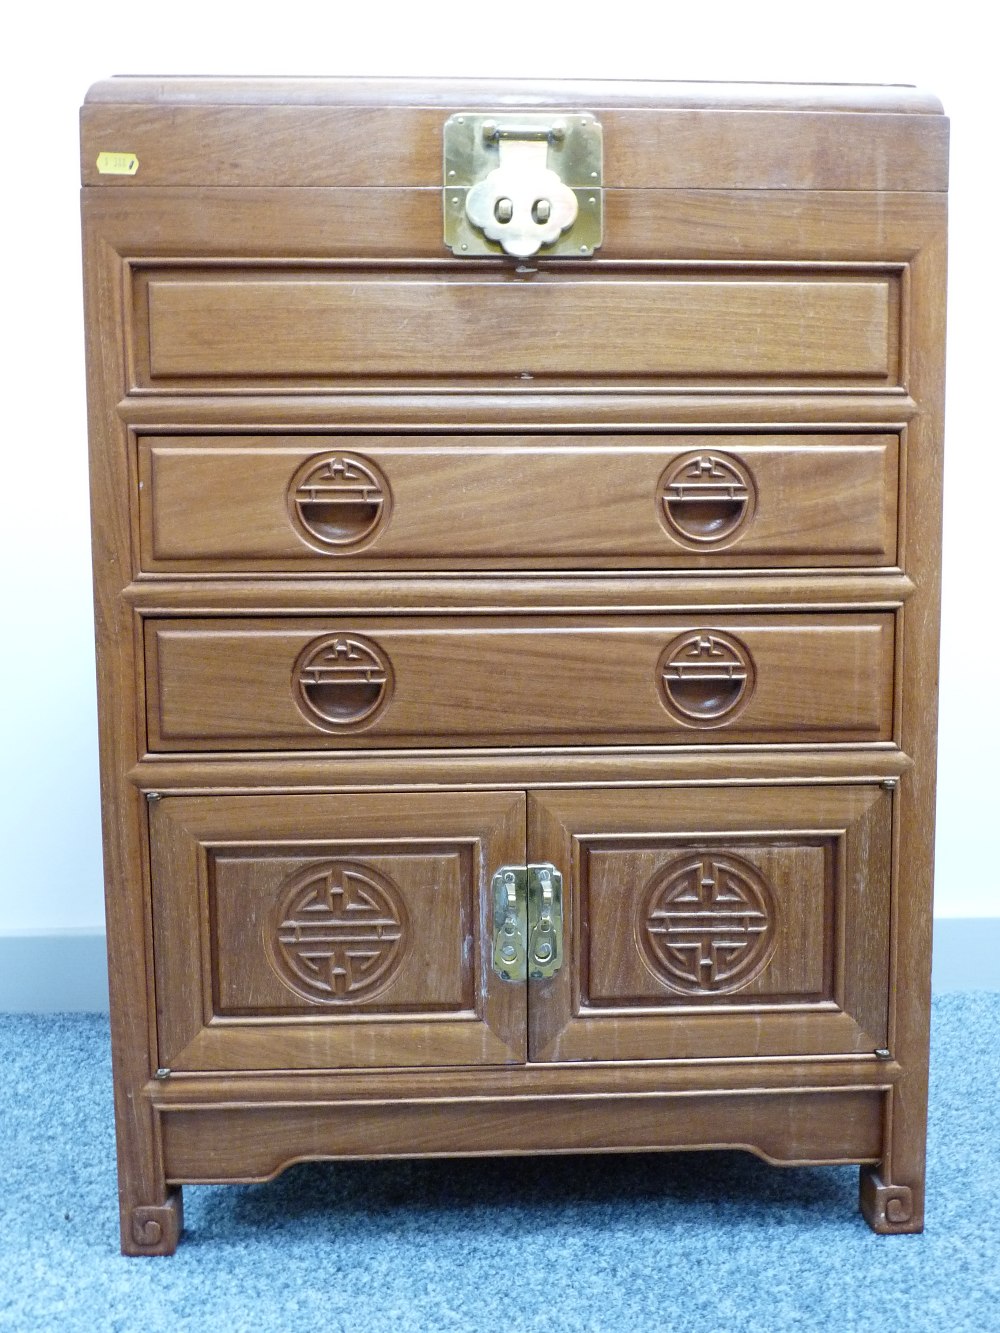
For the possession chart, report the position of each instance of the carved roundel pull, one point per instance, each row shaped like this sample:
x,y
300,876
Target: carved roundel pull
x,y
338,501
705,678
706,923
342,682
338,932
706,499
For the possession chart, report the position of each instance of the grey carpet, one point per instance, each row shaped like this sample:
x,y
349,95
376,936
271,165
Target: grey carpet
x,y
684,1242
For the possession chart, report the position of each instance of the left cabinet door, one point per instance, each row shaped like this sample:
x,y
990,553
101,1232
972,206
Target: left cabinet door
x,y
332,931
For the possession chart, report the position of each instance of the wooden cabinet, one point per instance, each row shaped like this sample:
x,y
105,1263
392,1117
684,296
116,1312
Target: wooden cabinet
x,y
516,664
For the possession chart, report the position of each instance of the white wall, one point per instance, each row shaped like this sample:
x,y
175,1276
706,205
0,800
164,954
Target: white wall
x,y
50,870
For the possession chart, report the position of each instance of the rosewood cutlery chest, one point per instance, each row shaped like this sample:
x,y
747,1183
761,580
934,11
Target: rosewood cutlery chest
x,y
516,542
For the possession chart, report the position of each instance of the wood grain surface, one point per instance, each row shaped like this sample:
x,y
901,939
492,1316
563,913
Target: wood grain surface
x,y
662,136
836,1125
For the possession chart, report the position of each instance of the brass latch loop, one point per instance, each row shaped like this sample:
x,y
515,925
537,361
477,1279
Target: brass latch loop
x,y
494,129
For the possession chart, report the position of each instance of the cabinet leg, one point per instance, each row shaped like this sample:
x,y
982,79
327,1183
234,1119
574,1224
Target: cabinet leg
x,y
889,1210
153,1228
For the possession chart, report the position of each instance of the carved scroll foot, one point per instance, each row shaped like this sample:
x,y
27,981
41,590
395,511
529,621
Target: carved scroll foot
x,y
888,1209
154,1228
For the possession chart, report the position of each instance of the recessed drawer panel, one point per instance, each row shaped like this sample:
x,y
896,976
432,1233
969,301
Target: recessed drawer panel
x,y
605,324
252,684
218,503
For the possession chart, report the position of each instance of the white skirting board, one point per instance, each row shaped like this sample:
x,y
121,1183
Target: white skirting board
x,y
66,971
54,972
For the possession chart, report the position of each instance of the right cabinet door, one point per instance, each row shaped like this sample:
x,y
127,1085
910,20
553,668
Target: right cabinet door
x,y
707,922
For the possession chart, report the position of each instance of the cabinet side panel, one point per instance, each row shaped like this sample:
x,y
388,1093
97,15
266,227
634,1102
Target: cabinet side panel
x,y
917,685
149,1211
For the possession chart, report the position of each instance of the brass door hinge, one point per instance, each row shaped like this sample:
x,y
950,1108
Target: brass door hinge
x,y
520,184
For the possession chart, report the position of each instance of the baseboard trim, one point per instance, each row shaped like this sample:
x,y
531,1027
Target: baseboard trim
x,y
966,954
66,971
51,972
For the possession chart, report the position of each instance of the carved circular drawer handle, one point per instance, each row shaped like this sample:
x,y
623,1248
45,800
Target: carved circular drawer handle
x,y
338,501
706,923
338,932
705,678
706,499
342,682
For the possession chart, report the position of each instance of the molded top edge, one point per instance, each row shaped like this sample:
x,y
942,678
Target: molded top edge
x,y
496,93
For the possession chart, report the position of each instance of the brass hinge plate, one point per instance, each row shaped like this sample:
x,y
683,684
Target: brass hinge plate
x,y
523,184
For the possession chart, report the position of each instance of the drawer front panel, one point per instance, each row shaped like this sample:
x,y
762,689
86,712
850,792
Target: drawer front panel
x,y
494,324
318,931
308,684
262,502
716,922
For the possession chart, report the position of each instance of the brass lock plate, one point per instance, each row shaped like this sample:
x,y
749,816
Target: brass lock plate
x,y
510,923
545,921
523,184
527,922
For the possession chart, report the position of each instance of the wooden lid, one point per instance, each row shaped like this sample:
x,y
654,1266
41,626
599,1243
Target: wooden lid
x,y
387,133
486,93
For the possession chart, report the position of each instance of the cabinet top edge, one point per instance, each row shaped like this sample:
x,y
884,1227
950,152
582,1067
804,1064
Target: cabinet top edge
x,y
498,93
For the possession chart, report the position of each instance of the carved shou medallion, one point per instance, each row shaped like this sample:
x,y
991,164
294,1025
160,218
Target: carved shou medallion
x,y
706,499
706,923
342,682
338,932
338,501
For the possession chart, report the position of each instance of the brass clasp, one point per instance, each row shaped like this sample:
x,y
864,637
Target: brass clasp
x,y
527,922
510,923
523,184
545,921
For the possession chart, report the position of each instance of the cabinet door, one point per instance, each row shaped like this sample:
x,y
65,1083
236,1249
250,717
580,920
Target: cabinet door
x,y
715,922
311,931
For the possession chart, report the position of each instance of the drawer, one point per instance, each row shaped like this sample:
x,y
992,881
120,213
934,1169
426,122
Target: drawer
x,y
224,327
298,683
285,502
